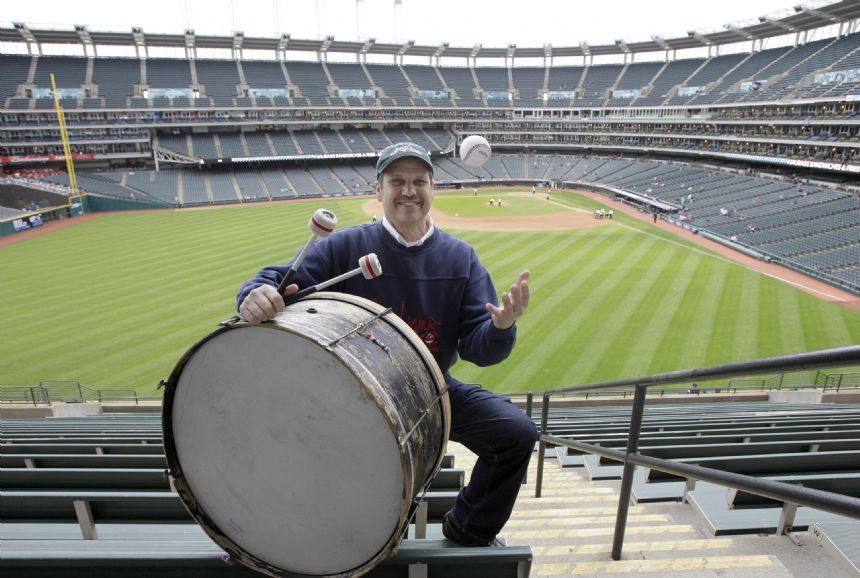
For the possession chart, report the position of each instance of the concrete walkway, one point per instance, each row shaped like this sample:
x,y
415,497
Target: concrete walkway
x,y
570,530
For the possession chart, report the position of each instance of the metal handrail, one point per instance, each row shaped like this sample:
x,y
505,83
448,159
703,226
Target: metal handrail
x,y
828,501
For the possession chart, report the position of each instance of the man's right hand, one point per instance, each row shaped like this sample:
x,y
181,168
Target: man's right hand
x,y
264,302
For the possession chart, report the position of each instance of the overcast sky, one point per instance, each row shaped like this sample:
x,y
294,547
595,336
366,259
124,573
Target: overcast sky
x,y
492,23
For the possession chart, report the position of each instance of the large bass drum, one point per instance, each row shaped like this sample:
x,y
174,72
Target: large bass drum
x,y
301,444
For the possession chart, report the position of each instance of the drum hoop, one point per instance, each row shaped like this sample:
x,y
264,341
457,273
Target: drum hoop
x,y
181,483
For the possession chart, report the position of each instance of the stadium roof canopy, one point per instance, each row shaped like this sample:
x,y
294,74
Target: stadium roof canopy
x,y
804,18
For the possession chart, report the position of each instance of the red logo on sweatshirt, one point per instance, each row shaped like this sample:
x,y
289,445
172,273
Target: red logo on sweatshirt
x,y
428,328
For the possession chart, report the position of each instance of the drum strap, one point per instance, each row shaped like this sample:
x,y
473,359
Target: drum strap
x,y
360,327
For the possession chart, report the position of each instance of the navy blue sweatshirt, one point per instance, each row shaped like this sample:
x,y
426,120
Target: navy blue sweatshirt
x,y
439,289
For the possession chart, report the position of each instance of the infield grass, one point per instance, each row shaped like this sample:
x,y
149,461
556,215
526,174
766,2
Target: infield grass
x,y
114,302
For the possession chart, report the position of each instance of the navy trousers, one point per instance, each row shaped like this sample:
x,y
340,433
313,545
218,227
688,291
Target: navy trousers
x,y
503,438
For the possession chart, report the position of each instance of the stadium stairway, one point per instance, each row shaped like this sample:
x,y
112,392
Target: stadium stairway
x,y
570,531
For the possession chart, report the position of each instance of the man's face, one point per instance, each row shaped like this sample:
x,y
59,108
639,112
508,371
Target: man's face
x,y
406,192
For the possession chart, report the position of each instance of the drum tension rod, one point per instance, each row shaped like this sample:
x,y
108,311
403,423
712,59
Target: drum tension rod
x,y
424,413
359,327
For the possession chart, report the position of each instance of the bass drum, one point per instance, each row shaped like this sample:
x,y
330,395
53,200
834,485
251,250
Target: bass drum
x,y
301,444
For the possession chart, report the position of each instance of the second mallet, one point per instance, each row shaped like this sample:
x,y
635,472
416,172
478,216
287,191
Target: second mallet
x,y
321,225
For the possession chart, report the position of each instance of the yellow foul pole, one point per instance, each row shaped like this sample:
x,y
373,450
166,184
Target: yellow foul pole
x,y
64,135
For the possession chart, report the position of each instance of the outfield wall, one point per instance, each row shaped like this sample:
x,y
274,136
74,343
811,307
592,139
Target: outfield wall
x,y
74,207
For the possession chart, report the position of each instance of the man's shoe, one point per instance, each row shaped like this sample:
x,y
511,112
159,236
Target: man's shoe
x,y
453,532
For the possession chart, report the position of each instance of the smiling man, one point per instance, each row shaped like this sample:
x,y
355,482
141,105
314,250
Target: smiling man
x,y
438,286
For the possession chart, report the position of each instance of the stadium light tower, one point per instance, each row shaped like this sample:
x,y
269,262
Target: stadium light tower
x,y
238,41
86,39
473,55
625,49
28,37
703,40
739,31
777,23
586,53
816,12
190,44
139,41
437,56
407,46
663,44
362,53
283,41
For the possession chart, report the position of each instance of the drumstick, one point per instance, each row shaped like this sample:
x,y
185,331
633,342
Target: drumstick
x,y
368,266
321,225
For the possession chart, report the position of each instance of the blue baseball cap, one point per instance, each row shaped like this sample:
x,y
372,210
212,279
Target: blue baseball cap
x,y
402,150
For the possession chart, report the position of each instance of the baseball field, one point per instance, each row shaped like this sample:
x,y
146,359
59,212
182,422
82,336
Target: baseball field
x,y
113,302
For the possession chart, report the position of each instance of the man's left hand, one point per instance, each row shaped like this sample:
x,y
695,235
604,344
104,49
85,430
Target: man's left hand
x,y
514,303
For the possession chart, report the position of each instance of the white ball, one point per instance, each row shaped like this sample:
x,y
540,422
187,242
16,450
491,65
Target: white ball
x,y
475,151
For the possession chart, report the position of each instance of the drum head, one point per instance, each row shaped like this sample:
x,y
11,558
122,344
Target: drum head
x,y
301,470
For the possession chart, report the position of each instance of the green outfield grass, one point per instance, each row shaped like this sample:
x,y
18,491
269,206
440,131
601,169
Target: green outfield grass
x,y
114,302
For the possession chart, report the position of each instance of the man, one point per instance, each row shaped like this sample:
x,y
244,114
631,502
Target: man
x,y
437,285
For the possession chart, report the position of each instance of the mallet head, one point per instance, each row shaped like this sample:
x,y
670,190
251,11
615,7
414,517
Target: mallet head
x,y
322,223
370,266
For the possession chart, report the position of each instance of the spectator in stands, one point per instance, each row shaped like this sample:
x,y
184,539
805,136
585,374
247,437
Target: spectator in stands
x,y
435,282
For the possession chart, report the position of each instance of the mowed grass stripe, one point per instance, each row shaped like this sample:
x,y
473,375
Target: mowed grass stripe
x,y
605,318
647,350
603,276
770,324
789,311
562,263
704,314
744,341
723,332
830,329
681,334
634,332
619,313
557,298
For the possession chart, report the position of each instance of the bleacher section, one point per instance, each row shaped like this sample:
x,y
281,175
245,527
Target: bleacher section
x,y
311,79
163,73
69,72
814,445
115,79
221,79
528,83
784,72
15,69
392,82
91,494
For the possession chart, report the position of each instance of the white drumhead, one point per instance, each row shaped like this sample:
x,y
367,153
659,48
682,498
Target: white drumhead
x,y
283,448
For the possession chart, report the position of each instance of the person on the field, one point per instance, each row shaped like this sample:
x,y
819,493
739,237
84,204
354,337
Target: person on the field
x,y
436,284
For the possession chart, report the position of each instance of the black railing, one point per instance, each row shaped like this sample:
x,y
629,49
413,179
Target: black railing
x,y
788,493
51,392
